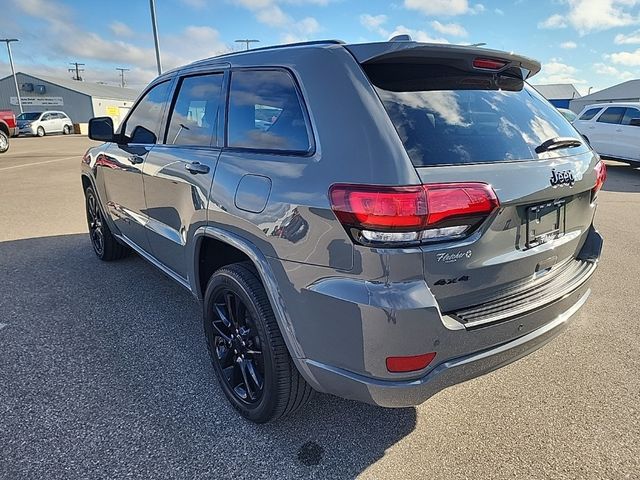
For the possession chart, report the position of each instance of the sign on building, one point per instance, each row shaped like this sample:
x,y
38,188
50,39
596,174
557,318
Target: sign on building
x,y
38,101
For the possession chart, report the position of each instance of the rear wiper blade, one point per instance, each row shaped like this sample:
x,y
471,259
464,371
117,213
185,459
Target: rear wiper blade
x,y
558,142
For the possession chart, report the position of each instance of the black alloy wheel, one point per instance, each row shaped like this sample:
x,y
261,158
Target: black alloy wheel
x,y
248,353
237,347
96,224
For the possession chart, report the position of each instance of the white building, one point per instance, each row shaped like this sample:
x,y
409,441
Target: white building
x,y
624,92
80,100
558,94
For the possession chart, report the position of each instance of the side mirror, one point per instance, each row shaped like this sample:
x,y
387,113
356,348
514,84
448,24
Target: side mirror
x,y
635,122
101,129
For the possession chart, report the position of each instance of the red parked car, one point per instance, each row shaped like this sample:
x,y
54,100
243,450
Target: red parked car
x,y
8,128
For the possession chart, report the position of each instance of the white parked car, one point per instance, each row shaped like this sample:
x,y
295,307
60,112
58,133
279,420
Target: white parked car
x,y
42,123
612,129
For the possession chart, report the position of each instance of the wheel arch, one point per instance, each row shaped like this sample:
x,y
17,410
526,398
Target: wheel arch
x,y
248,251
5,128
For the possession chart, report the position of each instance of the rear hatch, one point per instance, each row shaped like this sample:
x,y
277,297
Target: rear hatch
x,y
467,115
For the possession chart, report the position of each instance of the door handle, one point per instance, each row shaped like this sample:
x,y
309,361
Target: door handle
x,y
196,167
136,160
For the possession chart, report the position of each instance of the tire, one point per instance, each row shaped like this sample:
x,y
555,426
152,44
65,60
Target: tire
x,y
40,132
4,142
106,247
66,130
249,340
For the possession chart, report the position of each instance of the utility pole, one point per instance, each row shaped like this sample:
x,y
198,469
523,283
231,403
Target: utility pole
x,y
247,41
13,70
77,70
154,26
122,70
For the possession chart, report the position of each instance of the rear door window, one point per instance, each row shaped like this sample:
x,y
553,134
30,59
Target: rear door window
x,y
612,115
447,117
195,112
265,112
630,114
589,114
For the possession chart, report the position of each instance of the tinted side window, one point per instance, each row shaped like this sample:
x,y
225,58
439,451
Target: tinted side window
x,y
265,112
589,114
195,113
629,114
147,114
612,115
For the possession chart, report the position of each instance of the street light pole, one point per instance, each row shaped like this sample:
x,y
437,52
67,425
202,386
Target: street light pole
x,y
13,70
154,25
247,41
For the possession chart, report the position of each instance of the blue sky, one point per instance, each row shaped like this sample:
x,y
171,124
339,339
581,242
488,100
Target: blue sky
x,y
591,43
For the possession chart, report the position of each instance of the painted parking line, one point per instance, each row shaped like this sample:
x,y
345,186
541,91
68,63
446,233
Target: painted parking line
x,y
38,163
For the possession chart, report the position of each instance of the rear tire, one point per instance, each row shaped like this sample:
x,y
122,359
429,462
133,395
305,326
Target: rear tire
x,y
106,247
40,132
66,130
246,348
4,142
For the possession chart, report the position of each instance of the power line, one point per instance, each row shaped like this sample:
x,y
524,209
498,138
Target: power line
x,y
13,70
247,41
77,70
122,70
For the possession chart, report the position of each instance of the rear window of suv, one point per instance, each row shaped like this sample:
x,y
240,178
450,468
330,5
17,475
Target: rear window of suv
x,y
446,116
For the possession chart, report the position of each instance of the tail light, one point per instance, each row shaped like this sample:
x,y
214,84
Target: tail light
x,y
601,176
375,215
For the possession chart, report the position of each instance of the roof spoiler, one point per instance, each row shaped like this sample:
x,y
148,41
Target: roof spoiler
x,y
468,58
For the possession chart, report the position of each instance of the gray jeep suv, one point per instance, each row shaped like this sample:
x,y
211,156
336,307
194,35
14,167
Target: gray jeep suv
x,y
376,221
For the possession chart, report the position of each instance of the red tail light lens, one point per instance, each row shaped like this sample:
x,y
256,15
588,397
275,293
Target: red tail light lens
x,y
381,214
601,176
488,64
409,364
448,200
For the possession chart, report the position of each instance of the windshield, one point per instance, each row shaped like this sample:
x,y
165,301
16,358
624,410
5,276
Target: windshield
x,y
453,117
29,116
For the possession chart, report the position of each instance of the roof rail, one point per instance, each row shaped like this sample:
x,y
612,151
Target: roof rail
x,y
287,45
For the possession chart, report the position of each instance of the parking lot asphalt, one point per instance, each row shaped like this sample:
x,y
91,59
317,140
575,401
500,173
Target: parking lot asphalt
x,y
104,371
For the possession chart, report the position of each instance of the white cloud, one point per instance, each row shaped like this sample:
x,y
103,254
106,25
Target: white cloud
x,y
273,16
443,7
555,71
611,71
452,29
568,45
629,59
417,35
101,55
631,38
499,11
593,15
120,29
553,22
372,22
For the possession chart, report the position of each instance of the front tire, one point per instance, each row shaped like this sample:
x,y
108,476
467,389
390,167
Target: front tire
x,y
106,247
247,350
4,142
40,132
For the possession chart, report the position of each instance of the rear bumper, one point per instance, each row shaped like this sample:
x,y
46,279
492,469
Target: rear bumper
x,y
406,393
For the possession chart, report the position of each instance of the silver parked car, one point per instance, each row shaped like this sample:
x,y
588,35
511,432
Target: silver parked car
x,y
43,123
375,221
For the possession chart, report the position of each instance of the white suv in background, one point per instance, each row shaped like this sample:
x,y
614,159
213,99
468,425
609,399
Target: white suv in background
x,y
612,129
42,123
